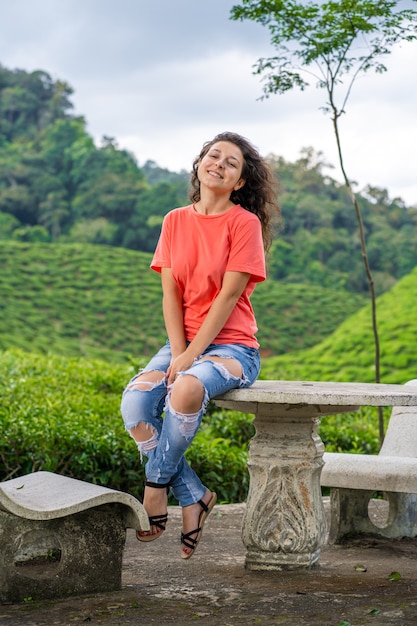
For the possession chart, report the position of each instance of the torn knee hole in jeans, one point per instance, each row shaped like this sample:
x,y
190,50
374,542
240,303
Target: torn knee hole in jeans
x,y
148,444
228,375
145,385
188,421
222,367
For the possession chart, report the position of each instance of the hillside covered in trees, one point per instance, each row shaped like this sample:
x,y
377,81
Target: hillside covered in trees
x,y
57,186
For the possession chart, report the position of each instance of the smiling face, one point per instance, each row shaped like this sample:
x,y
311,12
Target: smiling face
x,y
220,169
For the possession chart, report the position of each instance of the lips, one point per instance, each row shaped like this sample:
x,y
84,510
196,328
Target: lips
x,y
216,174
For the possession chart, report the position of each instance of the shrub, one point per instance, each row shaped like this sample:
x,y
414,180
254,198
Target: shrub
x,y
63,415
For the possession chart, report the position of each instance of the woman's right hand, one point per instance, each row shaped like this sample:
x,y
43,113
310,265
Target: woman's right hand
x,y
180,363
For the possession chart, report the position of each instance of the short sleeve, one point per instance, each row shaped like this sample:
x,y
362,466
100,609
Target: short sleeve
x,y
247,250
162,254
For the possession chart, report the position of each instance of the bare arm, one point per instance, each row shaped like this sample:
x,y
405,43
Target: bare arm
x,y
233,285
173,314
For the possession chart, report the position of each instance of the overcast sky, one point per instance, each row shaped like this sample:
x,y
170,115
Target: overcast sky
x,y
164,76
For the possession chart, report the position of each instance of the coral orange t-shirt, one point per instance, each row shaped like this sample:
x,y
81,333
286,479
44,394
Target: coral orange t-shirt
x,y
199,249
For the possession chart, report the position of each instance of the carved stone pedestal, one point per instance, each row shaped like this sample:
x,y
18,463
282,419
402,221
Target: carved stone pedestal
x,y
284,524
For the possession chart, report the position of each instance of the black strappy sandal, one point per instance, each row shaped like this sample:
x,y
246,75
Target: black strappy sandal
x,y
154,520
186,539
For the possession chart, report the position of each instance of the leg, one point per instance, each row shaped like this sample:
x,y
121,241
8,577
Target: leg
x,y
144,433
187,400
221,368
165,441
141,407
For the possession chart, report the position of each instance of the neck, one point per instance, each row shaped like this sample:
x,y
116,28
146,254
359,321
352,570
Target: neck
x,y
212,205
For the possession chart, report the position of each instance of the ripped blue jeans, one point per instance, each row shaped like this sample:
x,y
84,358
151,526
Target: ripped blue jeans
x,y
171,434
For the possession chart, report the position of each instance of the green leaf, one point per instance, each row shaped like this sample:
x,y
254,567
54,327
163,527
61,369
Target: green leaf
x,y
360,568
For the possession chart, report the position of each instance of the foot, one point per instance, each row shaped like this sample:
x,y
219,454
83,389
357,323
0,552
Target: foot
x,y
193,519
155,503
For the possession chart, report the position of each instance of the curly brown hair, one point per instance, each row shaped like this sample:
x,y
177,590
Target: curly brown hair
x,y
259,193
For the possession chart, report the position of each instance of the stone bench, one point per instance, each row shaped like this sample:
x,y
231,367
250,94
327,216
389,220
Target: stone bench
x,y
60,536
354,478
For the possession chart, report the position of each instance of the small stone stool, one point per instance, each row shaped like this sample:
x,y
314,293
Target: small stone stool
x,y
60,536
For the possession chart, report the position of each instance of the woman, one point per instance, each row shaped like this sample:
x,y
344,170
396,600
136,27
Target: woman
x,y
210,256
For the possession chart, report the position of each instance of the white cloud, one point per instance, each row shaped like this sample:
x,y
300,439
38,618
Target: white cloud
x,y
162,77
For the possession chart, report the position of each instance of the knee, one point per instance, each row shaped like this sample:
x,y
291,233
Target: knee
x,y
133,409
133,406
187,395
145,437
138,401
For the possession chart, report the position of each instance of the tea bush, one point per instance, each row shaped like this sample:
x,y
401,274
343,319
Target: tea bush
x,y
63,415
100,302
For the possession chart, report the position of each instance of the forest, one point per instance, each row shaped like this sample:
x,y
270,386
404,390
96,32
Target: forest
x,y
57,186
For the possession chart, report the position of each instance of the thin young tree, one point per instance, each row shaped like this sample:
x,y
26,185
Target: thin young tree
x,y
331,43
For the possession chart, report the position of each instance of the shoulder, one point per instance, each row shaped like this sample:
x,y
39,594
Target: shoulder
x,y
244,215
242,218
179,212
176,216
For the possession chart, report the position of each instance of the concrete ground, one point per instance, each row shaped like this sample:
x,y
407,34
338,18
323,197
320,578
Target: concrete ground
x,y
367,581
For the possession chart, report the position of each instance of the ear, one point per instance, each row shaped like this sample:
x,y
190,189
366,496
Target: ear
x,y
239,184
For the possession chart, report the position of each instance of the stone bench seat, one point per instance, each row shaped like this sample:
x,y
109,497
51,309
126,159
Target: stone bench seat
x,y
45,495
370,472
62,536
